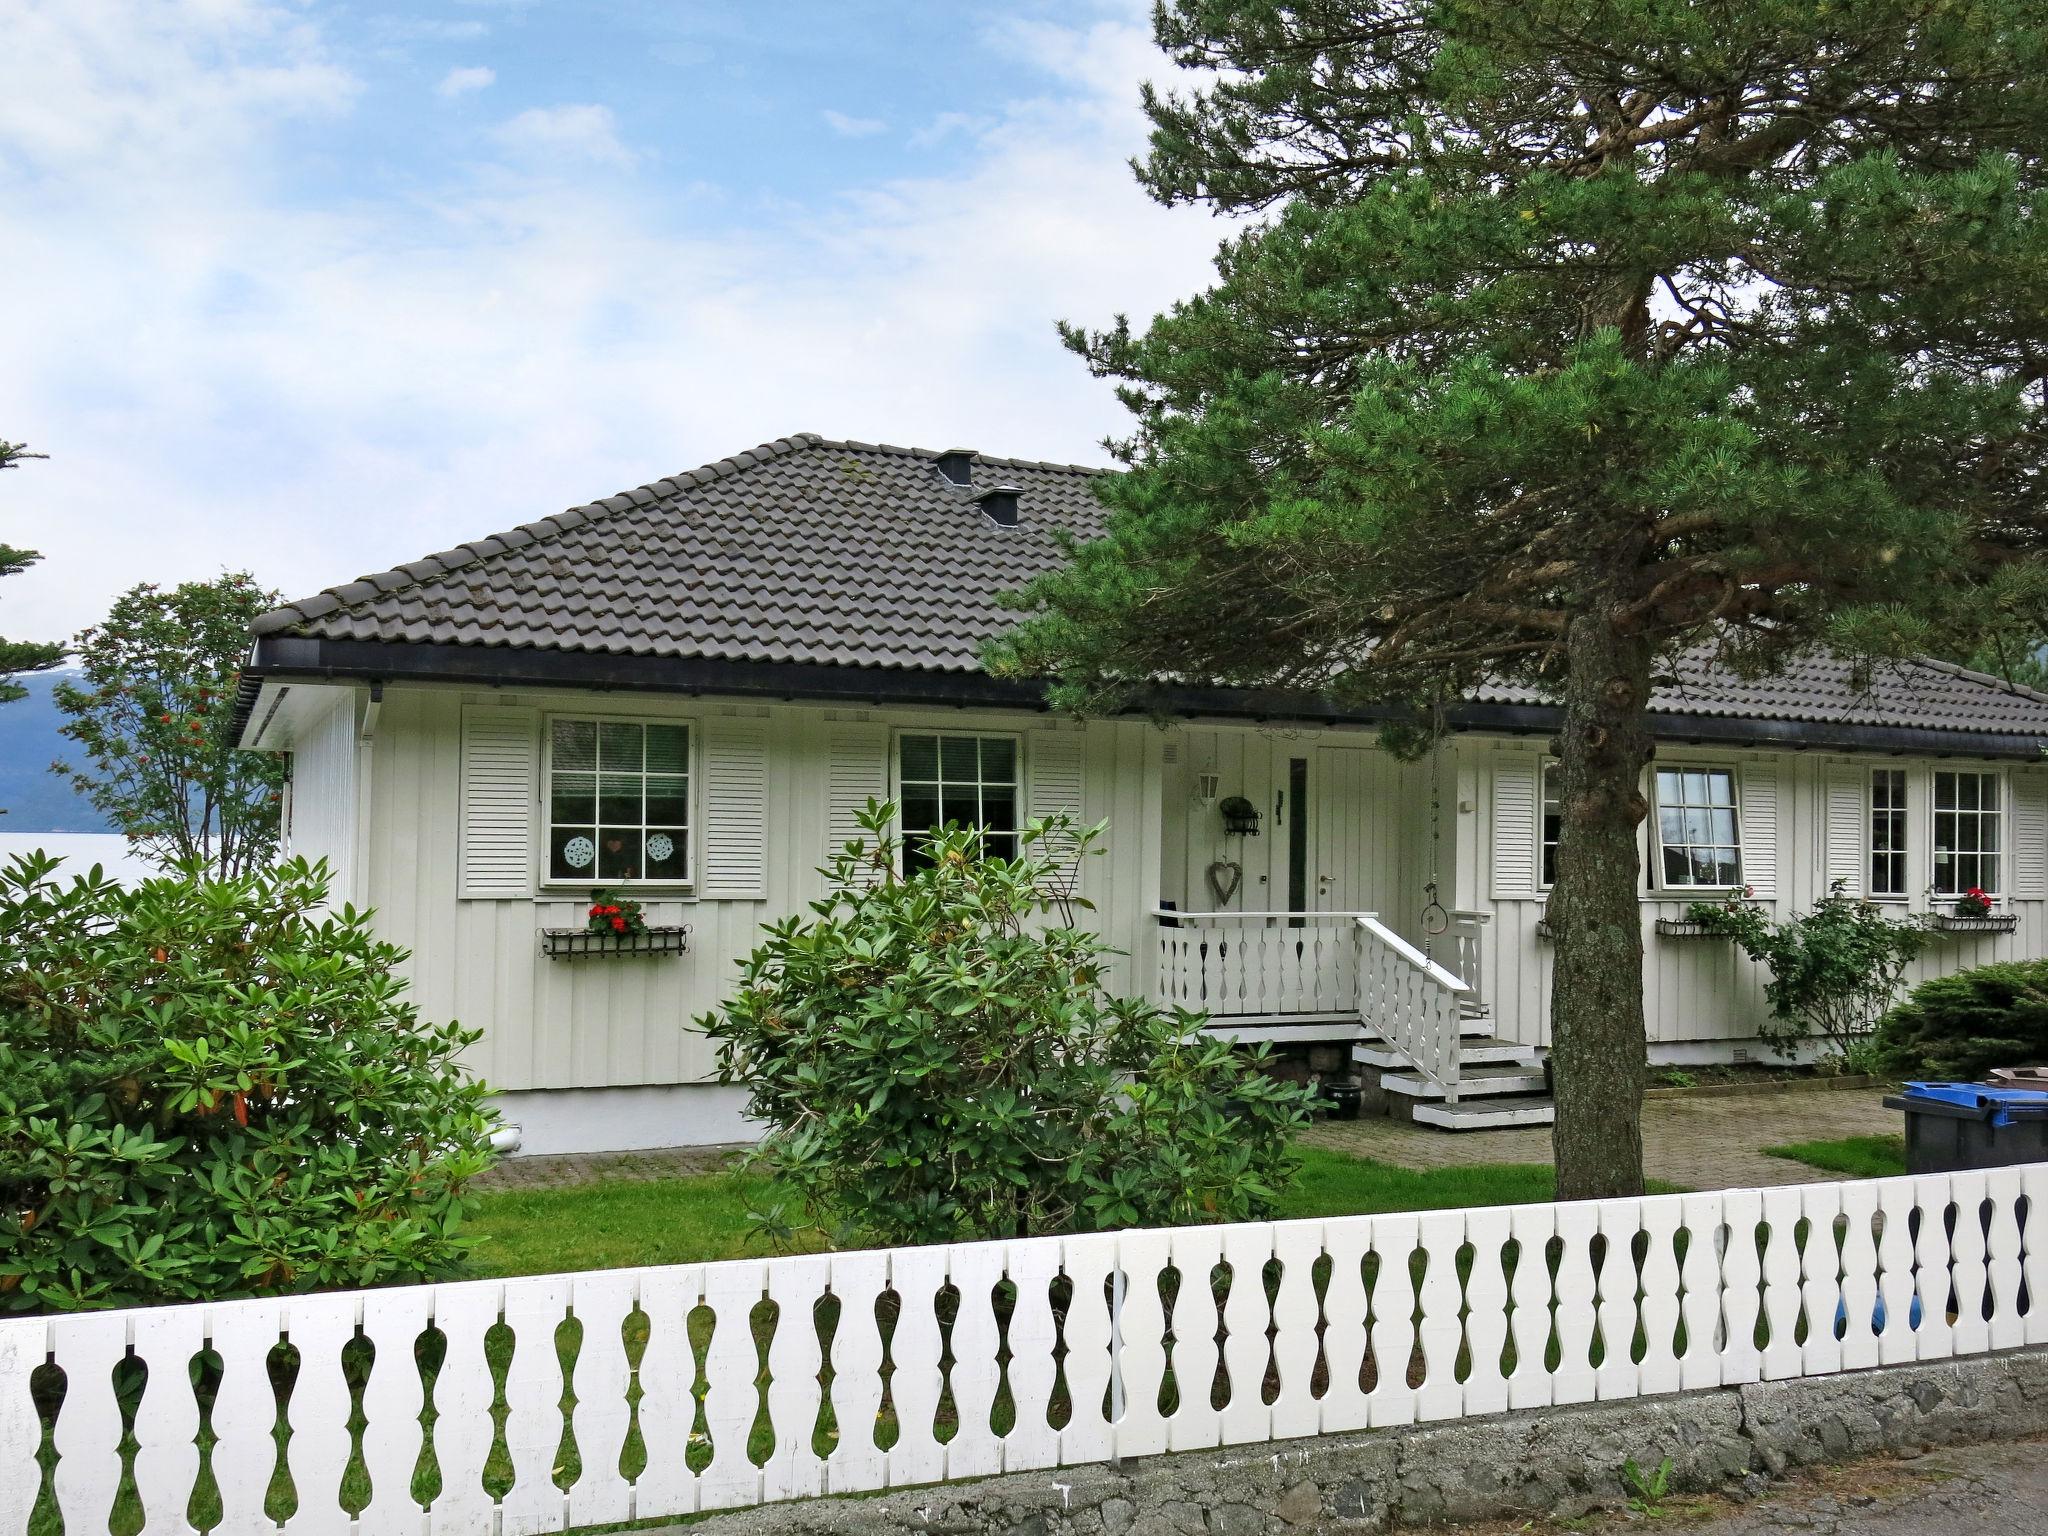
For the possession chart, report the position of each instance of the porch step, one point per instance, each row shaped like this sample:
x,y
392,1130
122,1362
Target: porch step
x,y
1486,1114
1487,1082
1482,1051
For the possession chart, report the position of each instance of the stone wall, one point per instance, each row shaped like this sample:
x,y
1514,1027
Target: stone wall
x,y
1562,1461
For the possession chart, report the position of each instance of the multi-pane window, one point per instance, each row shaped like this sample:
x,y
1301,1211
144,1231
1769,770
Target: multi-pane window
x,y
1888,832
618,801
1697,828
1553,822
1968,846
971,781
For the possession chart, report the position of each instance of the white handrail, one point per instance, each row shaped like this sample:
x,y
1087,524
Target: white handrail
x,y
1176,913
1411,1002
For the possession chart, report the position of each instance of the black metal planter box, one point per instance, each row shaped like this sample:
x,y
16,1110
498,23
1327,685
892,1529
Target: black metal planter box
x,y
583,944
1989,922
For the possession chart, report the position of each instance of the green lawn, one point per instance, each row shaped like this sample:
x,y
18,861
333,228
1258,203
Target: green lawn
x,y
691,1220
1855,1157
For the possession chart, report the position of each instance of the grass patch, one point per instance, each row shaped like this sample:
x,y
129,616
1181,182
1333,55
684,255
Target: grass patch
x,y
700,1218
1855,1157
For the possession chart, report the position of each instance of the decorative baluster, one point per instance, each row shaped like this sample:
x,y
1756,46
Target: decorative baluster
x,y
1859,1278
1346,1317
2034,1251
1141,1341
1532,1227
1741,1287
1934,1337
1297,1245
534,1309
1033,1265
1246,1247
794,1469
1392,1400
916,1275
668,1405
601,1495
1194,1424
856,1463
1486,1311
1699,1365
1782,1296
167,1418
393,1321
24,1342
1966,1245
731,1399
88,1432
975,1449
1820,1279
2002,1243
1087,1263
1617,1375
463,1390
1578,1290
1896,1342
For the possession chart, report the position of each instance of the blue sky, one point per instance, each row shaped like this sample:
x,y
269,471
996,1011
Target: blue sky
x,y
315,288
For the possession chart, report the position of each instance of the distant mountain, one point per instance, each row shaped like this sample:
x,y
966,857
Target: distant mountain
x,y
35,799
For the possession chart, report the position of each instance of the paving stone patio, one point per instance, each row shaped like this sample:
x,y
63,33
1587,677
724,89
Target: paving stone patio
x,y
1697,1142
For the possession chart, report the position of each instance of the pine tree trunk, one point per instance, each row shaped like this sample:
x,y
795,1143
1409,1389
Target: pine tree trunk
x,y
1596,1001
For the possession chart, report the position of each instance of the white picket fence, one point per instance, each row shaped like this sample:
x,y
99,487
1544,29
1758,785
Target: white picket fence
x,y
472,1409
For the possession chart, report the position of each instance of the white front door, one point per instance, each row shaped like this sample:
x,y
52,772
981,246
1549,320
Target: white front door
x,y
1368,834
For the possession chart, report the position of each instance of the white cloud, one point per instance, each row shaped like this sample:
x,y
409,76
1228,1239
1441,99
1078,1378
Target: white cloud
x,y
852,127
464,79
227,374
585,131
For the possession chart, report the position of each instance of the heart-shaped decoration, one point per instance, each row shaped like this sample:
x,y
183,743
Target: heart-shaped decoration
x,y
1225,876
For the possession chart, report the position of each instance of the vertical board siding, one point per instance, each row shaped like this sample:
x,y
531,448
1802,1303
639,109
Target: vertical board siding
x,y
323,797
945,1361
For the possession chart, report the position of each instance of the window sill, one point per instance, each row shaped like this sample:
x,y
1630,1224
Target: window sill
x,y
583,944
639,892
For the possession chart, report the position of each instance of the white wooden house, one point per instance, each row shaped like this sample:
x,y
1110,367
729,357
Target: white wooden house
x,y
688,690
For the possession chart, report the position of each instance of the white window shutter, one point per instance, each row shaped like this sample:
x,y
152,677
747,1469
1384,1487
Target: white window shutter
x,y
1058,768
2029,837
857,770
1847,828
735,840
1758,830
1516,810
500,793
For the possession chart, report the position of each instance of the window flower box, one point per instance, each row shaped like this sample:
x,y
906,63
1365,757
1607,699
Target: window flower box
x,y
1978,922
586,944
1688,928
1543,928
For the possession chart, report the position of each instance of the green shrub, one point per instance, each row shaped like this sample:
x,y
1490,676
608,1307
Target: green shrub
x,y
209,1088
1834,970
1962,1026
935,1060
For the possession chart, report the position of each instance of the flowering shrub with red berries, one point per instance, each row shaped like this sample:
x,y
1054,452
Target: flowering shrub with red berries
x,y
615,914
1973,903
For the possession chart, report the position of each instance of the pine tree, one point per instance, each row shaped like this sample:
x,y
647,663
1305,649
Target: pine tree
x,y
17,656
1560,336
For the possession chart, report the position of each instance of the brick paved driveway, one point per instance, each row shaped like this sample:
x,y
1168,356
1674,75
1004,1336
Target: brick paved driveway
x,y
1697,1142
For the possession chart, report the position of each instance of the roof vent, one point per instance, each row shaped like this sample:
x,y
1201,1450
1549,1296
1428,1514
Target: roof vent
x,y
1000,503
957,465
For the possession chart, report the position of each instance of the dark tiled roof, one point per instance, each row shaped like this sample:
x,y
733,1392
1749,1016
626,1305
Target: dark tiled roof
x,y
802,550
1913,695
812,551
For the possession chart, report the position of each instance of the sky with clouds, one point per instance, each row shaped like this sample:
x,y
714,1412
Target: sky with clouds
x,y
314,288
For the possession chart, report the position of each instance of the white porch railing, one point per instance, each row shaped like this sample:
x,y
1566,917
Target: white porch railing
x,y
709,1386
1256,964
1411,1002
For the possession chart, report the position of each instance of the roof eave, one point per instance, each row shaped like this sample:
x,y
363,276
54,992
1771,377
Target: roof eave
x,y
509,667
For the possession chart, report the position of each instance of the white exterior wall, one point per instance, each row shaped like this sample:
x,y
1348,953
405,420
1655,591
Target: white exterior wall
x,y
626,1022
322,800
1706,990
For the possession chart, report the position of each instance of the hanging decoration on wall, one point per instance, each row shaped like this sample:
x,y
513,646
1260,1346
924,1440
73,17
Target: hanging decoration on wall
x,y
578,852
1240,817
1225,876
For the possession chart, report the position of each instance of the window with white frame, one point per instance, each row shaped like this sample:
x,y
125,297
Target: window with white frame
x,y
618,801
1697,828
1552,823
950,777
1888,833
1969,844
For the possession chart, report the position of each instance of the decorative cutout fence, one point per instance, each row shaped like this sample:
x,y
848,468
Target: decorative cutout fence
x,y
537,1405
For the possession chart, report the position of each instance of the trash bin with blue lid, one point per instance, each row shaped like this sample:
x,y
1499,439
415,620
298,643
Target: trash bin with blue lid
x,y
1951,1126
